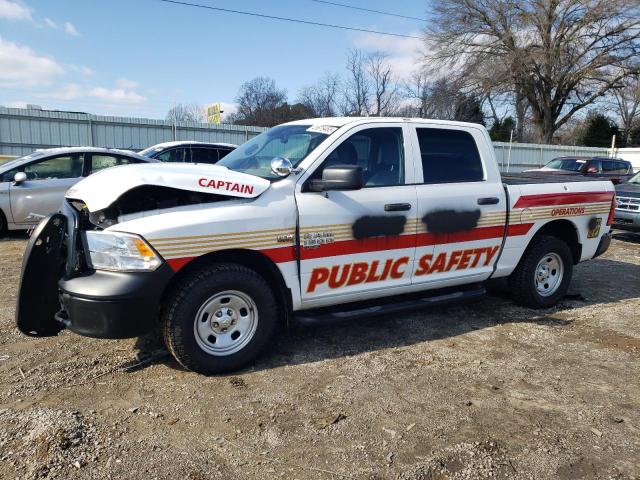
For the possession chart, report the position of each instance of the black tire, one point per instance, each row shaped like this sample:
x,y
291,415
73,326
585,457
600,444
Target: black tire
x,y
523,279
3,224
192,293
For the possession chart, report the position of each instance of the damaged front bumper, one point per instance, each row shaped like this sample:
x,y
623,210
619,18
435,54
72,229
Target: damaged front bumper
x,y
112,304
57,289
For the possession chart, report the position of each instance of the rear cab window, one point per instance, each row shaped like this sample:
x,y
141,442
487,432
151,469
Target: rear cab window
x,y
449,156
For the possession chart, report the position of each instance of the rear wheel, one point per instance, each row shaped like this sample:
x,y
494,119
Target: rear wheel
x,y
219,319
543,275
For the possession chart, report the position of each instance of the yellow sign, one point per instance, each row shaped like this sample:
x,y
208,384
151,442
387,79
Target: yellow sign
x,y
214,113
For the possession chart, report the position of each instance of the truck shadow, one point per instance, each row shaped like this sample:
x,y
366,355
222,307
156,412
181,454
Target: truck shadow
x,y
598,282
14,235
628,237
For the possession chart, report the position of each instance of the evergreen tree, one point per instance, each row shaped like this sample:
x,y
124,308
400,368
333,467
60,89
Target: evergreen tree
x,y
598,131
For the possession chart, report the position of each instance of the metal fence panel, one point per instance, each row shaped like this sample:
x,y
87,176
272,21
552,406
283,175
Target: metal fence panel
x,y
22,131
524,156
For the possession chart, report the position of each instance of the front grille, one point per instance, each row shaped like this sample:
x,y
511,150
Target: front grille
x,y
628,204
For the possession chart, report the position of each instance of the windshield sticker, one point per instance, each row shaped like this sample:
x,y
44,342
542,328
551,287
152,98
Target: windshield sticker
x,y
328,129
581,161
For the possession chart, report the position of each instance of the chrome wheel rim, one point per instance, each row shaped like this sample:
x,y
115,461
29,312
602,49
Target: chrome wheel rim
x,y
549,273
225,323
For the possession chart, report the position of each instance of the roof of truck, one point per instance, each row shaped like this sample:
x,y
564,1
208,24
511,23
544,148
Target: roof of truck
x,y
341,121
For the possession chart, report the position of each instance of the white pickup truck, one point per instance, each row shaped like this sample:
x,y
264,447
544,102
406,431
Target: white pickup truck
x,y
314,220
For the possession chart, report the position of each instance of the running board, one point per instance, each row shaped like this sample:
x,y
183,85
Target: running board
x,y
336,314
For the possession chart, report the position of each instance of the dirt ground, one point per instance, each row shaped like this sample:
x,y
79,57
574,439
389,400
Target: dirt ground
x,y
480,390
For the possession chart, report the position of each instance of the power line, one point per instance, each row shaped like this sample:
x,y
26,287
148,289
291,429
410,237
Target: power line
x,y
286,19
369,10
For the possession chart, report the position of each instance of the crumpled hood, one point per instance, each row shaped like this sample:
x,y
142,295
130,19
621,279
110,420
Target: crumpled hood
x,y
101,189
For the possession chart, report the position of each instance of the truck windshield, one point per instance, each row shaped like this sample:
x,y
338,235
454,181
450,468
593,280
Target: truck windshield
x,y
571,164
254,157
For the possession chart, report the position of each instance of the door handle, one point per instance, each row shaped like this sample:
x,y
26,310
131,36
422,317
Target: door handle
x,y
397,207
488,201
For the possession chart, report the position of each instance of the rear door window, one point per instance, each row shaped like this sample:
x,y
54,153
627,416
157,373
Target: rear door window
x,y
594,166
614,166
100,162
449,156
172,155
204,155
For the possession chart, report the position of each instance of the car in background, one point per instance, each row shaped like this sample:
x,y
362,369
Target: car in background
x,y
615,169
627,214
189,151
34,185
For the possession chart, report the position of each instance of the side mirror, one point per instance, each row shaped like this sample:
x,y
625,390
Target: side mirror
x,y
339,177
281,166
19,178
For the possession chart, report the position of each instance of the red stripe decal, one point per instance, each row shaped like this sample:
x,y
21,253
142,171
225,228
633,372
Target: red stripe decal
x,y
350,247
548,199
280,254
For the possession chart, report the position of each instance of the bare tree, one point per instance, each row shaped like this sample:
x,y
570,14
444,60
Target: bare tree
x,y
257,101
322,97
186,113
443,98
382,82
561,55
627,105
416,90
357,89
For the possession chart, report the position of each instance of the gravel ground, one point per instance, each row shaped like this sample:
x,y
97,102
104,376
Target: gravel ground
x,y
480,390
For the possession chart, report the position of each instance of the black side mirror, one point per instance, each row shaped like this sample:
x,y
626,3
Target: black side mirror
x,y
339,177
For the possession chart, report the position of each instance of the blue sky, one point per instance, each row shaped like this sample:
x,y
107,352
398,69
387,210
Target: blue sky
x,y
140,57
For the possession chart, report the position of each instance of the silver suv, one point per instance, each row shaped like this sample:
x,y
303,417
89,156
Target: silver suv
x,y
627,214
34,185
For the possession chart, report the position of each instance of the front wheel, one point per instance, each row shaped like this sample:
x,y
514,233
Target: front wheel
x,y
219,319
543,275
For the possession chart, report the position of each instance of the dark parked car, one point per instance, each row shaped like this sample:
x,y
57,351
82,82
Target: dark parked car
x,y
189,151
34,185
615,169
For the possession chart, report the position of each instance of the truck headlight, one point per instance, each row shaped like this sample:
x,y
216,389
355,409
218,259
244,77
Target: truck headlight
x,y
121,252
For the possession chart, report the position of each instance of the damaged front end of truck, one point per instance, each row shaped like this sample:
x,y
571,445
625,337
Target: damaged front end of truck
x,y
80,273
